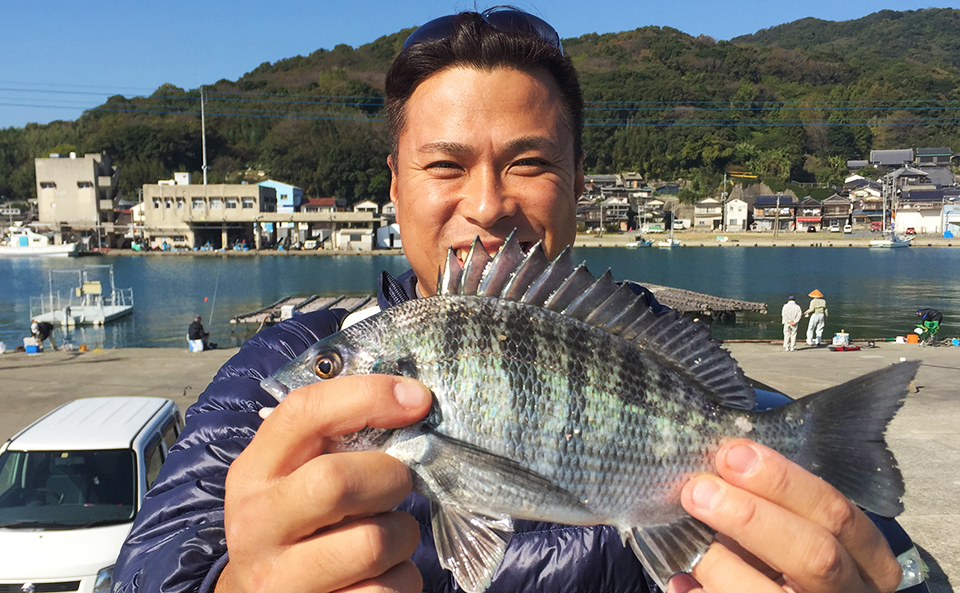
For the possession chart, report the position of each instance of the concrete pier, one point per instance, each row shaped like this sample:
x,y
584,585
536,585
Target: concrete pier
x,y
925,435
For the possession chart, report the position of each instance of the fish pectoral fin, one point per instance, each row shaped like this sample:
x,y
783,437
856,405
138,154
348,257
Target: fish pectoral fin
x,y
472,476
470,545
665,550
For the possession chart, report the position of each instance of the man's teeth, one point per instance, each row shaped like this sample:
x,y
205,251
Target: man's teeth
x,y
462,255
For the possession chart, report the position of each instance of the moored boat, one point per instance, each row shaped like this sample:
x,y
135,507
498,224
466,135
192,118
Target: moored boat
x,y
24,241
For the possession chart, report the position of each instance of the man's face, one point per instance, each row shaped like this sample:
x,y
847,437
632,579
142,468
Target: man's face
x,y
483,153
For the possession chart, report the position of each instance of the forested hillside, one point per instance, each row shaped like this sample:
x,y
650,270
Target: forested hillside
x,y
790,102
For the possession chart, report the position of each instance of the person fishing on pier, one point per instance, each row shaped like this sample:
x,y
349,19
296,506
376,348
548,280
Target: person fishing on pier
x,y
485,115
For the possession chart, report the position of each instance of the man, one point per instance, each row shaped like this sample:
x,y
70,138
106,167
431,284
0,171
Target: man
x,y
42,331
817,311
196,336
790,316
485,115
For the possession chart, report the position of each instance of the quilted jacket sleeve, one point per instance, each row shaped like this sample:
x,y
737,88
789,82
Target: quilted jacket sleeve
x,y
177,542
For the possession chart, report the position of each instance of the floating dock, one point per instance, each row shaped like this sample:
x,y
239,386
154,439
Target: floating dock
x,y
689,302
683,301
292,305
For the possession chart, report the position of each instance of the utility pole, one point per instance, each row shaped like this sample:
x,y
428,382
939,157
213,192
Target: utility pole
x,y
723,205
203,130
776,217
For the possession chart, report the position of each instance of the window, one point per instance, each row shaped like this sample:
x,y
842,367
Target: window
x,y
83,184
216,203
231,203
179,203
170,433
198,204
168,203
153,459
48,185
156,203
248,203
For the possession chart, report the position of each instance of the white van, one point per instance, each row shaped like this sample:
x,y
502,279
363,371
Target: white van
x,y
71,484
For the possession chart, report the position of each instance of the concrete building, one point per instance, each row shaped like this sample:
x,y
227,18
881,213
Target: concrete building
x,y
193,215
76,194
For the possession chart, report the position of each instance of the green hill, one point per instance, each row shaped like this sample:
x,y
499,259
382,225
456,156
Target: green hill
x,y
790,102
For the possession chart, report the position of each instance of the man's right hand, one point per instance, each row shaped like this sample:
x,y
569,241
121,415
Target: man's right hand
x,y
297,520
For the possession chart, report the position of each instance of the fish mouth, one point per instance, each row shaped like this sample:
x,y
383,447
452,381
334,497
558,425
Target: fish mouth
x,y
275,388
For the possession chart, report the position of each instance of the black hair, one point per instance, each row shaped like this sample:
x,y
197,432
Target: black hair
x,y
476,44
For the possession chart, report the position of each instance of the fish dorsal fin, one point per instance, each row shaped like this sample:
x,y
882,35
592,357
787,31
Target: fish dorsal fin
x,y
530,279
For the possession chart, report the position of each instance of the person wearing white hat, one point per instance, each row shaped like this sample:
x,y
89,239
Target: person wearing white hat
x,y
817,311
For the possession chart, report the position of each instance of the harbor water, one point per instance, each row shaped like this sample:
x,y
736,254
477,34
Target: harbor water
x,y
870,293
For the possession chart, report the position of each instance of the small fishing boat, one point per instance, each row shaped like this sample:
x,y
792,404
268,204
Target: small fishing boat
x,y
892,241
640,242
24,241
83,296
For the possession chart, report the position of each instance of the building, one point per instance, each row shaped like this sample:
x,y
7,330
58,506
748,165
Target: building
x,y
707,215
921,210
736,215
76,194
836,212
810,214
289,197
891,158
934,156
773,213
194,215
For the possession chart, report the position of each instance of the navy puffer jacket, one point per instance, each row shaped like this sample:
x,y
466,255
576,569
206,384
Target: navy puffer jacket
x,y
177,543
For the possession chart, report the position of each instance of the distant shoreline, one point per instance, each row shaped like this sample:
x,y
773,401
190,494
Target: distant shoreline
x,y
686,238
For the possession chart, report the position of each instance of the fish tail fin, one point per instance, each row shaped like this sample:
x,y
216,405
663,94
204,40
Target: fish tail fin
x,y
665,550
847,446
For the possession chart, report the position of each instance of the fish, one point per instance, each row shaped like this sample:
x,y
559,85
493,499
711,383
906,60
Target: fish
x,y
563,397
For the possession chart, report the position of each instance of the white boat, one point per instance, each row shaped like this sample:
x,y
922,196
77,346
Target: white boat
x,y
84,296
892,241
669,242
23,241
640,242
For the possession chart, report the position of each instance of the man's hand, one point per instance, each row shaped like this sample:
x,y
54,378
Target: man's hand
x,y
784,530
298,520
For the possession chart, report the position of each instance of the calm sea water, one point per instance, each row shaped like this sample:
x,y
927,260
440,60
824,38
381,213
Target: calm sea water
x,y
870,293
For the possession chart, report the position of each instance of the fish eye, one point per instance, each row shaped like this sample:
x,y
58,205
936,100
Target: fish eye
x,y
327,364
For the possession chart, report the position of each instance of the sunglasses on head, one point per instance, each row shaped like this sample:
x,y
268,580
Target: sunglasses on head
x,y
505,21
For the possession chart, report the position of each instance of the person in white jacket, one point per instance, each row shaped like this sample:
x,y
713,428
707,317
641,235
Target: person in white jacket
x,y
790,315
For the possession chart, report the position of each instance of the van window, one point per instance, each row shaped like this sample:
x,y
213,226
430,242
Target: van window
x,y
63,489
153,459
170,432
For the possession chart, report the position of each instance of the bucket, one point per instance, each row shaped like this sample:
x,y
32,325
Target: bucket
x,y
913,339
955,342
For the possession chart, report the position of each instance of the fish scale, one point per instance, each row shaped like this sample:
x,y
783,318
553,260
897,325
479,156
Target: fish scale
x,y
560,397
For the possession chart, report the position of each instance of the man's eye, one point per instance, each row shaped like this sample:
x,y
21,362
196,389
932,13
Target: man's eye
x,y
443,165
531,162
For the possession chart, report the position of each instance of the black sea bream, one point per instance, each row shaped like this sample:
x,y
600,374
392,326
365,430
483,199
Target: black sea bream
x,y
560,397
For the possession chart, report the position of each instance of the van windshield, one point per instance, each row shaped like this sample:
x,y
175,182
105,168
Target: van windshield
x,y
66,489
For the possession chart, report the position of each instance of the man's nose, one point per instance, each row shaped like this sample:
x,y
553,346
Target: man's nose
x,y
485,202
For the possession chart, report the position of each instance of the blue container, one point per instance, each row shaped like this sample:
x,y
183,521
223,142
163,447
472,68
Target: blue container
x,y
955,342
32,349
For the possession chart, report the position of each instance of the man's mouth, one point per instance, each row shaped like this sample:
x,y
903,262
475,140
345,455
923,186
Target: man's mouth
x,y
491,246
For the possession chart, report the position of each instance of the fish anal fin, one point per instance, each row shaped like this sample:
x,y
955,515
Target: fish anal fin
x,y
470,545
666,550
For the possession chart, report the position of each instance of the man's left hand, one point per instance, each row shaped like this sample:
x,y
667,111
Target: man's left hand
x,y
784,528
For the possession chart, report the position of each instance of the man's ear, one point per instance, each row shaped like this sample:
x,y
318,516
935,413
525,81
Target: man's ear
x,y
393,179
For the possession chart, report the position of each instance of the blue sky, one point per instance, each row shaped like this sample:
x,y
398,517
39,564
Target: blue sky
x,y
59,57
